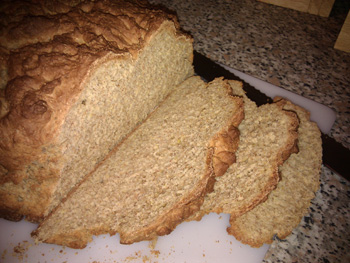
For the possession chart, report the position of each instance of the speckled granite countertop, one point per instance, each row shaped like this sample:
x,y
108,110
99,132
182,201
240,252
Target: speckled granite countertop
x,y
292,50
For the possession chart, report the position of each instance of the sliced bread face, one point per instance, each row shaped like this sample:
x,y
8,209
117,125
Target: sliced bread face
x,y
75,84
289,202
268,136
159,175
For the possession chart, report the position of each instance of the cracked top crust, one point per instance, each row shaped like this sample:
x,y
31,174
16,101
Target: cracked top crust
x,y
47,50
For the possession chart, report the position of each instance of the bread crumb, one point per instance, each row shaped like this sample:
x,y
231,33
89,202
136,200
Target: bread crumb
x,y
3,255
130,258
152,244
155,252
21,249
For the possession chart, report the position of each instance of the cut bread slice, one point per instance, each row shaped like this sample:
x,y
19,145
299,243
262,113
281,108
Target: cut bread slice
x,y
268,135
158,175
289,202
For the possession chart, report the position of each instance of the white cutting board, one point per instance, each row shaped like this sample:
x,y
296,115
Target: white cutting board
x,y
192,242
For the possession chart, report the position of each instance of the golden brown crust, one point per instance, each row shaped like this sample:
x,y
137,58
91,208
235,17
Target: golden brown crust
x,y
225,146
225,143
48,62
10,215
48,49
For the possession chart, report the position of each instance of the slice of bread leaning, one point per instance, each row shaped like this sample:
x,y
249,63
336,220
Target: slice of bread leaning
x,y
75,80
159,175
289,202
268,136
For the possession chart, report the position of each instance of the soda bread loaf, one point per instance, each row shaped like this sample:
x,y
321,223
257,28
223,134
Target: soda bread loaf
x,y
289,202
268,135
159,175
76,78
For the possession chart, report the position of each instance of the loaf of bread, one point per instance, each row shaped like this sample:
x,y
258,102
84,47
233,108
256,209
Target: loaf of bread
x,y
268,136
159,175
76,78
289,202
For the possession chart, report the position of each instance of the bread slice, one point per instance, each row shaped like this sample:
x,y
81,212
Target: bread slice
x,y
160,173
268,135
289,202
75,80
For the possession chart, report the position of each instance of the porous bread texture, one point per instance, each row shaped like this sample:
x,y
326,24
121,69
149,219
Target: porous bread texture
x,y
289,202
268,135
158,175
75,80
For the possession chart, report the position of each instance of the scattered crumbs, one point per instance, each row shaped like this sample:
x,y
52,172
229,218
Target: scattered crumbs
x,y
230,242
204,255
21,249
145,259
61,251
18,249
217,241
220,217
106,246
3,255
52,249
155,252
43,254
133,258
76,253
